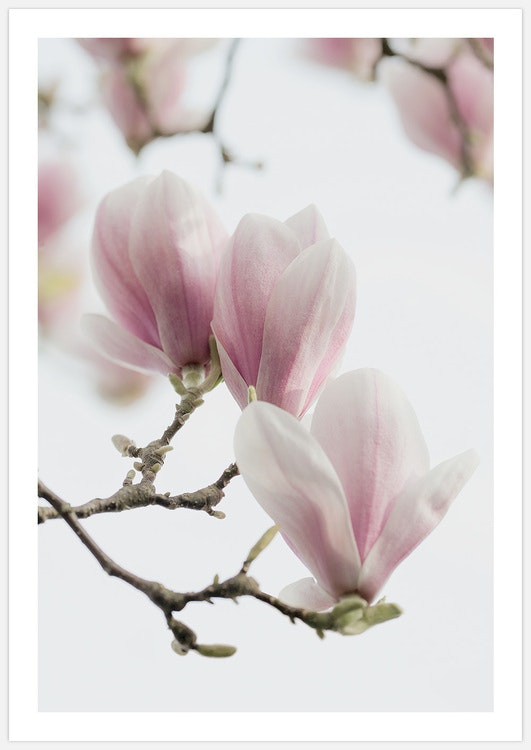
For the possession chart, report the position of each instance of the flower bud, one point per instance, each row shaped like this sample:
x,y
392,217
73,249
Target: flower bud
x,y
156,250
284,308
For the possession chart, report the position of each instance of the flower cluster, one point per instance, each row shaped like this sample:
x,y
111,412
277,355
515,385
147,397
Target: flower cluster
x,y
354,494
444,92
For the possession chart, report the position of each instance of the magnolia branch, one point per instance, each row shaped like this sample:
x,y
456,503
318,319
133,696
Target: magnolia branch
x,y
350,617
143,494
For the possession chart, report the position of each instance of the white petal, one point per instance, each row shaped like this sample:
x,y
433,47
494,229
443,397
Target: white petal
x,y
309,226
417,511
122,347
306,594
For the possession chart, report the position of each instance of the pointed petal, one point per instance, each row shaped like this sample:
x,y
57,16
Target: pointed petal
x,y
307,594
417,511
293,480
122,347
114,274
256,256
233,380
308,321
309,226
176,244
371,434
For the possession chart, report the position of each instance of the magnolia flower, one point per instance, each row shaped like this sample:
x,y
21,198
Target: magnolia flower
x,y
156,249
143,82
428,110
354,495
283,310
359,55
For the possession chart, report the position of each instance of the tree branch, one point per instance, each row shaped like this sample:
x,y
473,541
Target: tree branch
x,y
351,611
143,494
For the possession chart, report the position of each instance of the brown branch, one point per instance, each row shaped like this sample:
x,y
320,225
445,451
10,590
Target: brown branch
x,y
350,616
143,494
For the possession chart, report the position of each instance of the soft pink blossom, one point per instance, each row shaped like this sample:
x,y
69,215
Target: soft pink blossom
x,y
143,82
156,250
354,495
358,55
284,309
58,196
427,113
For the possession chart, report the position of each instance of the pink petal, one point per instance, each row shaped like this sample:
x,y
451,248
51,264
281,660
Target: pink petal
x,y
176,243
371,435
293,480
307,594
472,84
258,253
423,108
308,322
115,277
58,197
124,102
234,381
123,347
417,511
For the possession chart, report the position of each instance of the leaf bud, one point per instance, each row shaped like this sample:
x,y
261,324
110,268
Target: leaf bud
x,y
217,650
122,444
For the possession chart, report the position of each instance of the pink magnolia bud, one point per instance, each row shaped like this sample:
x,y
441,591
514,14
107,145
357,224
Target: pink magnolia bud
x,y
428,110
156,250
359,56
284,309
354,495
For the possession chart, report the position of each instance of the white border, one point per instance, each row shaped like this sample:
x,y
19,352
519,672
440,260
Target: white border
x,y
504,723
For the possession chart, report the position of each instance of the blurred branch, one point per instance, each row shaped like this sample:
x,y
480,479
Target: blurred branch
x,y
209,126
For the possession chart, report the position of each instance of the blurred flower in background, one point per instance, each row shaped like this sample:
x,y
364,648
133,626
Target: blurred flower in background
x,y
443,89
358,56
142,83
444,93
60,273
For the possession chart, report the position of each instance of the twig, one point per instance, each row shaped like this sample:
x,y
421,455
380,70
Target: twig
x,y
352,615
